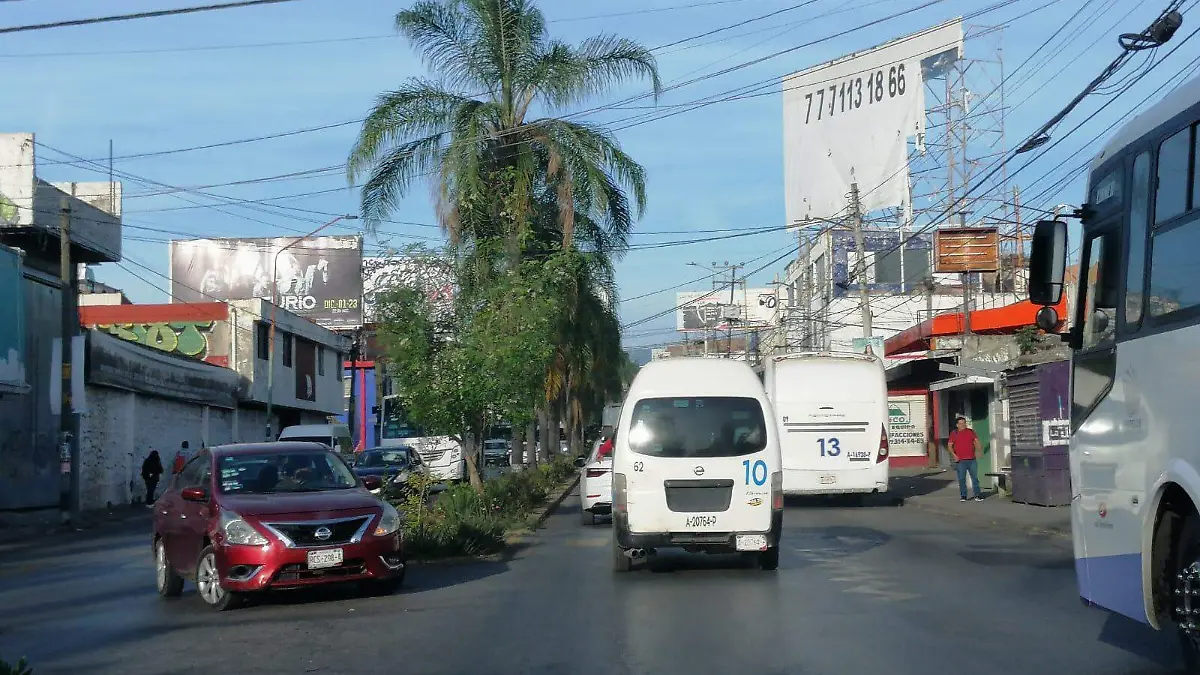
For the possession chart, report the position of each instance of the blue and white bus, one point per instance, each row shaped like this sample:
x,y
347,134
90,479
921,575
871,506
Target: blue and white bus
x,y
1134,447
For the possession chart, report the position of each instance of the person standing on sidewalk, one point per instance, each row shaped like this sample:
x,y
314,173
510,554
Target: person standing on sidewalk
x,y
152,470
965,446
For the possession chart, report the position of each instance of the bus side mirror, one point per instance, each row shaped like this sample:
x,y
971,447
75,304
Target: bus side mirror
x,y
1047,263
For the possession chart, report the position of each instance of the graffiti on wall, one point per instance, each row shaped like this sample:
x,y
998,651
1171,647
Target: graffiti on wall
x,y
186,338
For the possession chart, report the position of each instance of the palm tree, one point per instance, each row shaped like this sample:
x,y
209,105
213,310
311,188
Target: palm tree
x,y
508,183
472,130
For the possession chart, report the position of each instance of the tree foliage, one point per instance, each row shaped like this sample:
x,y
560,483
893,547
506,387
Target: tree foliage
x,y
485,361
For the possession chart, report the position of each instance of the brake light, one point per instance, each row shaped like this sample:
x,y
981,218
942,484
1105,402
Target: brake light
x,y
620,493
596,473
777,491
883,446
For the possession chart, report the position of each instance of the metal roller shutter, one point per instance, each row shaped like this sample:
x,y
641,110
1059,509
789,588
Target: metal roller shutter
x,y
1025,418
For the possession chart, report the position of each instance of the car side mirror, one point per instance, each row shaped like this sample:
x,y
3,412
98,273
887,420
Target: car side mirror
x,y
372,482
194,494
1048,263
581,462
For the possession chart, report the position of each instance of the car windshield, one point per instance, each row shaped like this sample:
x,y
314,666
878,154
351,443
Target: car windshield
x,y
495,445
379,458
271,473
323,440
713,426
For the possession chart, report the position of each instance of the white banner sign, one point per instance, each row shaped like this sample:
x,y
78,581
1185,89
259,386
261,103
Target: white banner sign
x,y
711,310
849,121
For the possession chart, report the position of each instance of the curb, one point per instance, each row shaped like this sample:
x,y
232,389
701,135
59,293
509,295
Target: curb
x,y
540,515
999,523
552,506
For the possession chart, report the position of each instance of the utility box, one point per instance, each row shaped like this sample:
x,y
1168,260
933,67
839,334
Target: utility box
x,y
1039,409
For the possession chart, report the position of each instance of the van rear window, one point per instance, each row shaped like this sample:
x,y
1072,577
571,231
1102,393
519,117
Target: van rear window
x,y
711,426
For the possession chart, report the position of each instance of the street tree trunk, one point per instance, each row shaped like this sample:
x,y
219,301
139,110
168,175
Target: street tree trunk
x,y
518,446
555,415
544,435
472,447
531,442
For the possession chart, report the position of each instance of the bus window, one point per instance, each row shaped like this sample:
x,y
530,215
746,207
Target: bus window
x,y
1099,303
1139,216
1171,198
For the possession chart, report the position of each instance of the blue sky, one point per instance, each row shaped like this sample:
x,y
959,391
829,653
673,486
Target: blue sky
x,y
715,168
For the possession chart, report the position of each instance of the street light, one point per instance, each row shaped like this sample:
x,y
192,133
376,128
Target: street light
x,y
274,314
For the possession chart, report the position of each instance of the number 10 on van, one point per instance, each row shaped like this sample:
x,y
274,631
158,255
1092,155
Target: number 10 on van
x,y
756,472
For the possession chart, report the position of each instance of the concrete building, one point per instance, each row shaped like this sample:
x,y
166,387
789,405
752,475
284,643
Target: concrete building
x,y
819,305
32,212
306,386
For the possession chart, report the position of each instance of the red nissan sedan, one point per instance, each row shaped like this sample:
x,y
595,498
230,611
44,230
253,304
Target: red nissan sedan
x,y
242,519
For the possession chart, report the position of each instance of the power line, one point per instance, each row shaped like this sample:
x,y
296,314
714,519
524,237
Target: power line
x,y
140,15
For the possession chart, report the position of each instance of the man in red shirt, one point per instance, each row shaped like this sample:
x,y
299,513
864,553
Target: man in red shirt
x,y
964,445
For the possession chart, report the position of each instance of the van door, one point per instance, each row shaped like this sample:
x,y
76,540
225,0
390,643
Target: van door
x,y
699,464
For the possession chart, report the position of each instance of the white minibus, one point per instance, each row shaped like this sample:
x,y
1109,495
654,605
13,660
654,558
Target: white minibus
x,y
831,411
696,464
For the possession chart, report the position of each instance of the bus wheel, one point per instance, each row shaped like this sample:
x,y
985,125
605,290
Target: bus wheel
x,y
1187,591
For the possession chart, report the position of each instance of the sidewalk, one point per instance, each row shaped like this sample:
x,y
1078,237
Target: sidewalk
x,y
21,528
936,491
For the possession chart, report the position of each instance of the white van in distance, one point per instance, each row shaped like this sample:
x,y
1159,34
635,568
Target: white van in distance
x,y
696,464
831,412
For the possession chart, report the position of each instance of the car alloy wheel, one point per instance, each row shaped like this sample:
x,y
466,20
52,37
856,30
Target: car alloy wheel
x,y
208,583
168,582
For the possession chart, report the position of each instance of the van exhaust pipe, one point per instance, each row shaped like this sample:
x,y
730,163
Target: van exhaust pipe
x,y
636,553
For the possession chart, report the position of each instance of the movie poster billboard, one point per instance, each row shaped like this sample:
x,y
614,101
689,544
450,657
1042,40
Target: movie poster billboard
x,y
318,278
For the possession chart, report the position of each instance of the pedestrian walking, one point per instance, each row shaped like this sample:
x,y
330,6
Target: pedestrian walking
x,y
152,470
181,458
965,447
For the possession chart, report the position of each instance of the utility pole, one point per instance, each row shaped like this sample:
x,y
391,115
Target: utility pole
x,y
860,272
806,284
966,277
351,413
69,328
730,320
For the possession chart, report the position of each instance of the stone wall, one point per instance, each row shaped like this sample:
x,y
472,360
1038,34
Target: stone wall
x,y
121,428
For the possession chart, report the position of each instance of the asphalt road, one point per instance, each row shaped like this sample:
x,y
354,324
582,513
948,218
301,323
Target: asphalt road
x,y
859,590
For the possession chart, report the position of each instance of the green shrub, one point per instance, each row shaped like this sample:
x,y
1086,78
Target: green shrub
x,y
21,668
463,522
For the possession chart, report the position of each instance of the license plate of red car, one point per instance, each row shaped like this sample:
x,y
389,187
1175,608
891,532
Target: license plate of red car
x,y
326,558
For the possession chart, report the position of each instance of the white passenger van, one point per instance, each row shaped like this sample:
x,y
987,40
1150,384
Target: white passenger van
x,y
696,463
831,411
336,436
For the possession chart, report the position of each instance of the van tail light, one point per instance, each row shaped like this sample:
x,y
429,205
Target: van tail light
x,y
596,473
620,493
777,491
883,446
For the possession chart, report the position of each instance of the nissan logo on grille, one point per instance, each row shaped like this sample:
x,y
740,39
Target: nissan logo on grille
x,y
699,471
323,533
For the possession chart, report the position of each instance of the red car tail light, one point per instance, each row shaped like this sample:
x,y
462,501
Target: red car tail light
x,y
596,473
883,446
777,491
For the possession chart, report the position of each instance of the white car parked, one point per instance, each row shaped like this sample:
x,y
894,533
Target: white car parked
x,y
595,485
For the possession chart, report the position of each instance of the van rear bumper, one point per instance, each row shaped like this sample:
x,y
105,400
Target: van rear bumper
x,y
808,482
715,542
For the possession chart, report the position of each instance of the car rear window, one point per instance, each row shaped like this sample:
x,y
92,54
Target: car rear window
x,y
710,426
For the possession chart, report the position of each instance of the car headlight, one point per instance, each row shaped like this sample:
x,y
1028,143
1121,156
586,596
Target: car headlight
x,y
389,523
239,532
